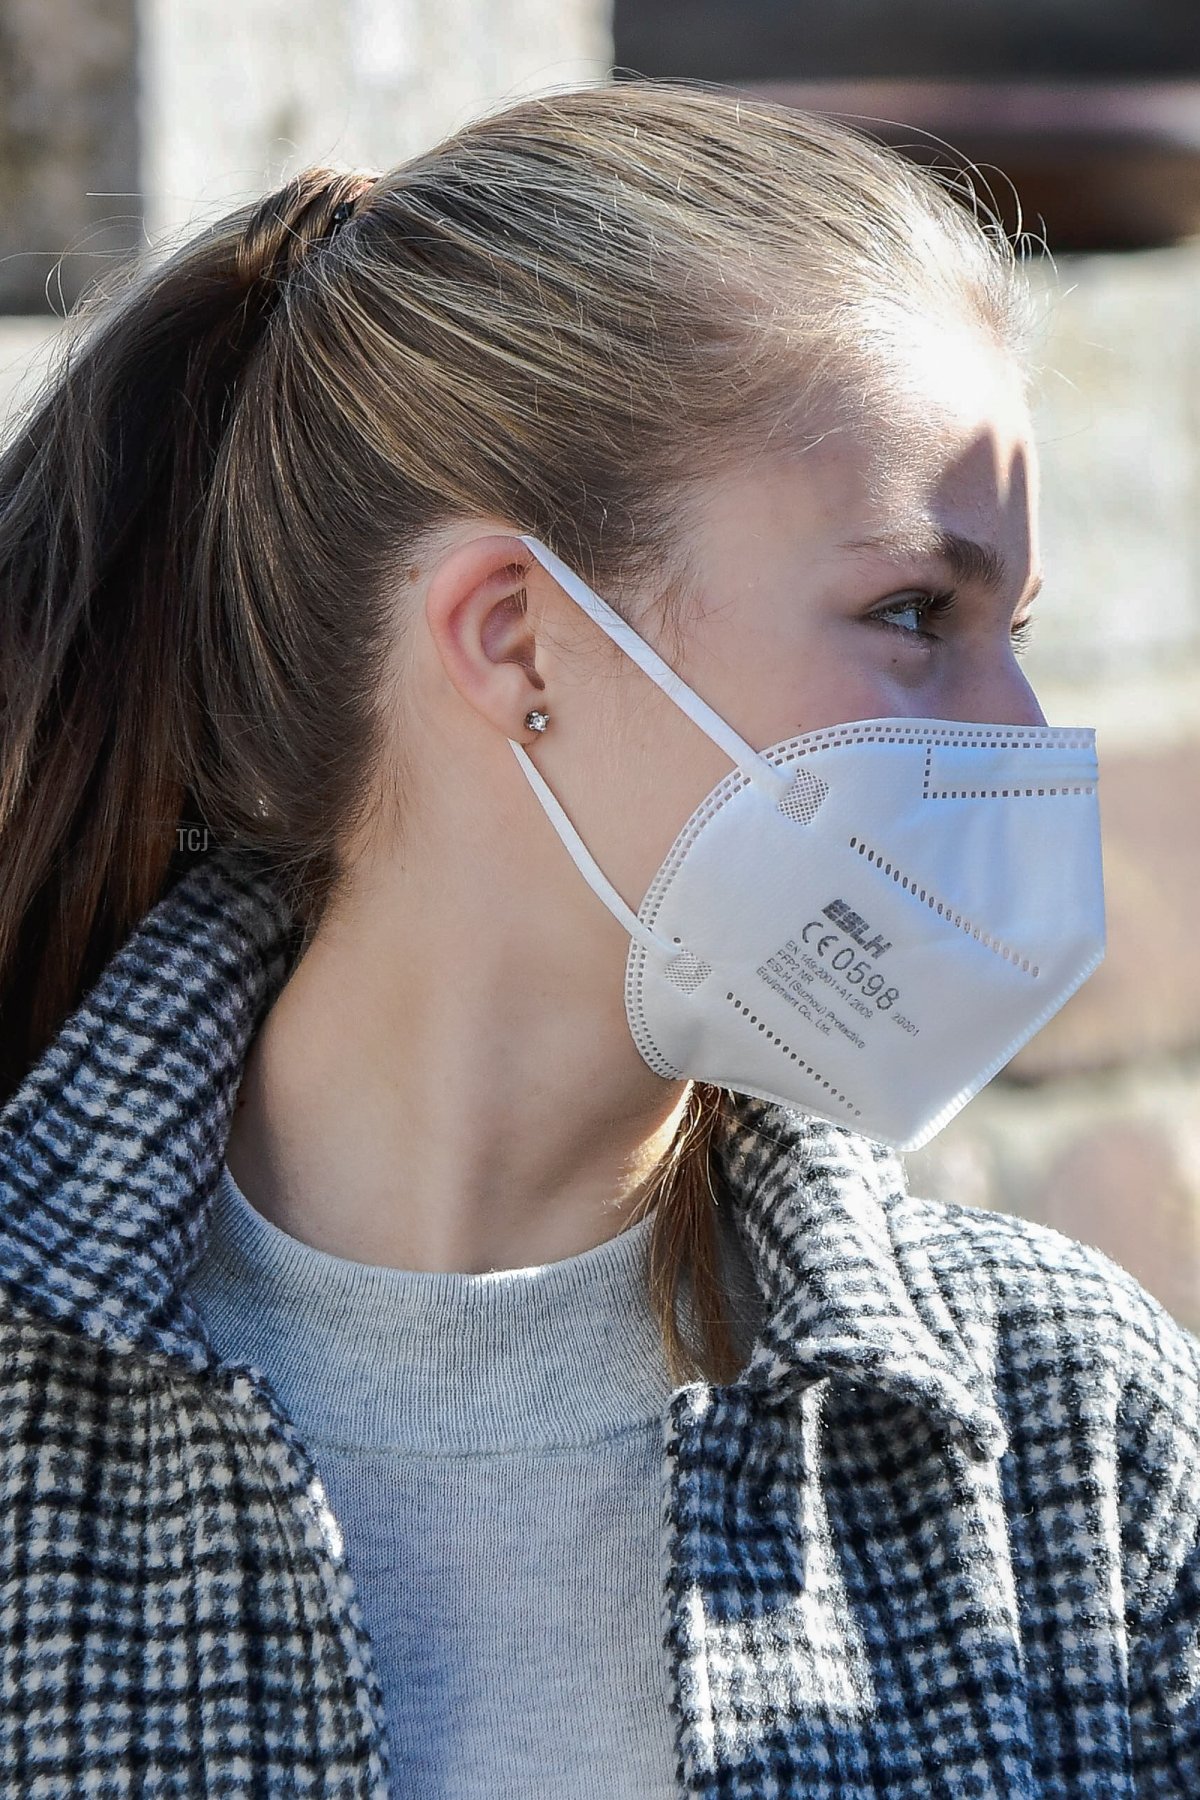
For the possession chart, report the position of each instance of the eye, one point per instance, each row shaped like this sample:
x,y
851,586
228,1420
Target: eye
x,y
1020,635
910,613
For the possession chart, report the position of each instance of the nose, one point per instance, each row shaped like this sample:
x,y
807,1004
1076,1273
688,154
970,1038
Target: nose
x,y
1002,696
1021,703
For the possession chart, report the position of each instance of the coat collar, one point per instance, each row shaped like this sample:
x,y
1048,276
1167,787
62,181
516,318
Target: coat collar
x,y
112,1147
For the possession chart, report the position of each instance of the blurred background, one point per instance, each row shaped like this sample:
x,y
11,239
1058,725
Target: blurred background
x,y
125,123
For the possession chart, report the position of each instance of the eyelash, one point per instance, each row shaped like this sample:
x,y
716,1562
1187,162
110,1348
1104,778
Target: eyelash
x,y
936,605
926,605
1020,636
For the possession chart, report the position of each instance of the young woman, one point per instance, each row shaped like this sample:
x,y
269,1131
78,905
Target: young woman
x,y
466,966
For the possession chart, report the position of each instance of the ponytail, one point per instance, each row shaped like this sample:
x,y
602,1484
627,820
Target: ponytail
x,y
104,501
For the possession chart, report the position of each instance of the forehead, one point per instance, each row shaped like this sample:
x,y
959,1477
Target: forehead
x,y
940,447
949,427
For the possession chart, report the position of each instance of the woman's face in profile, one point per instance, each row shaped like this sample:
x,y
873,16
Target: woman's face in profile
x,y
884,571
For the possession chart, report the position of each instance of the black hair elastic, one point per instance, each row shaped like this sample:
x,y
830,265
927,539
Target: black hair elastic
x,y
341,213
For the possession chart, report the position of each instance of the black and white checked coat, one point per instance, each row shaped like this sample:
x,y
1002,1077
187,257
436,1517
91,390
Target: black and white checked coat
x,y
941,1537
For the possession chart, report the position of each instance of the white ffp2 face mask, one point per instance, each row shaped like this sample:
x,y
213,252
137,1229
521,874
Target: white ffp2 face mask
x,y
865,922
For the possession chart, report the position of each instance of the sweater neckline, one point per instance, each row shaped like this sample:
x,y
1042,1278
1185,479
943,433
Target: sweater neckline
x,y
429,1363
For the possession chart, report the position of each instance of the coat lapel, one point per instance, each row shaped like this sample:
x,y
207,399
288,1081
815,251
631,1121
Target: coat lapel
x,y
111,1148
839,1605
848,1292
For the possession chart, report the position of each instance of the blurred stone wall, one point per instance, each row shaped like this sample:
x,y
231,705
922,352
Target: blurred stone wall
x,y
1095,1127
123,121
68,147
234,99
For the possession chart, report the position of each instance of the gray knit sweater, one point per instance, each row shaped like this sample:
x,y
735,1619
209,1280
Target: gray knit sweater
x,y
491,1445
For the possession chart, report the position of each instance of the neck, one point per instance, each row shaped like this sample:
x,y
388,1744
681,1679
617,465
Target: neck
x,y
437,1087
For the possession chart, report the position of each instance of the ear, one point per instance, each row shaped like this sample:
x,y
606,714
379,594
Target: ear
x,y
477,611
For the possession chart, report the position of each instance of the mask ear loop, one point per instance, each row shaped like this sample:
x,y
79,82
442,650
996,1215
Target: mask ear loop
x,y
774,782
587,865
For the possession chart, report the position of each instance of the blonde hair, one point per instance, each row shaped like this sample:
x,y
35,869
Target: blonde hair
x,y
559,316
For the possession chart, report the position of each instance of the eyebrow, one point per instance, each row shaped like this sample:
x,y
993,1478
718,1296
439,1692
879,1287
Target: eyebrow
x,y
966,559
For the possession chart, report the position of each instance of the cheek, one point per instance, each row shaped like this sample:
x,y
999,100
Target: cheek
x,y
641,769
761,681
840,673
848,694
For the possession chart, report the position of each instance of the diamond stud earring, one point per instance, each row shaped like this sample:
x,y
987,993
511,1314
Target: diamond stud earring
x,y
536,721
